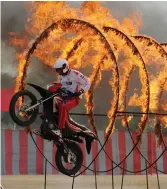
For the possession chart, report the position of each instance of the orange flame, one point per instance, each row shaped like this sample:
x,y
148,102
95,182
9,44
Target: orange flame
x,y
156,84
83,42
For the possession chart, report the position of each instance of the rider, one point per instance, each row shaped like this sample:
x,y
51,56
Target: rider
x,y
73,82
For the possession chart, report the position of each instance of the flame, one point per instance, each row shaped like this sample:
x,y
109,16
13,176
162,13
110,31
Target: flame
x,y
81,36
164,106
164,45
22,62
124,78
67,23
126,44
156,84
95,80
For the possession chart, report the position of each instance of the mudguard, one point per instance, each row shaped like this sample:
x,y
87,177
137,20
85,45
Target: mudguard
x,y
47,105
43,92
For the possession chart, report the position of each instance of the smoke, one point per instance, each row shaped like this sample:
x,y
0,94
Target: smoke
x,y
153,15
13,18
8,58
37,71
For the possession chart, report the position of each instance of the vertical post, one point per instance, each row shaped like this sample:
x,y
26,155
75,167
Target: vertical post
x,y
112,175
123,172
95,173
146,174
45,173
73,182
157,176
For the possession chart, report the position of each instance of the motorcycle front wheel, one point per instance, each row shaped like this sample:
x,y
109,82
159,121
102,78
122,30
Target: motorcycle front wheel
x,y
17,106
66,164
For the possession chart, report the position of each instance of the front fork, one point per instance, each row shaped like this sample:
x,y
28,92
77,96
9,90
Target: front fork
x,y
62,145
59,142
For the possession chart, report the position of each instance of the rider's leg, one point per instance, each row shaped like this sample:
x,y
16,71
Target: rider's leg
x,y
51,127
56,101
63,108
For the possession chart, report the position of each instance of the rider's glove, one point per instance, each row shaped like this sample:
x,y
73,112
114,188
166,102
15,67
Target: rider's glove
x,y
63,92
80,92
47,86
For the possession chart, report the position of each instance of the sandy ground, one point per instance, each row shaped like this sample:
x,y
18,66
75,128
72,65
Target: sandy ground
x,y
82,182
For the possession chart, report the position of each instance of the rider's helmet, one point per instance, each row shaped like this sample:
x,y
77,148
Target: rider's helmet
x,y
62,64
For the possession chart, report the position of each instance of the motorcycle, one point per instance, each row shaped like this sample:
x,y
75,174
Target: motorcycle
x,y
69,156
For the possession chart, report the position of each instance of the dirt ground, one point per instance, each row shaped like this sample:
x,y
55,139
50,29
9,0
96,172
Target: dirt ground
x,y
82,182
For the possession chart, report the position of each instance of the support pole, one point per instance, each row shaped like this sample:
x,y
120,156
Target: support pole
x,y
146,175
123,173
45,173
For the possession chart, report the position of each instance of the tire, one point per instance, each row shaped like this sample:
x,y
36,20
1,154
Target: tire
x,y
74,147
12,108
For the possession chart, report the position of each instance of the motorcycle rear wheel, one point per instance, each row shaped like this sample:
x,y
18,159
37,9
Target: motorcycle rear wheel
x,y
32,115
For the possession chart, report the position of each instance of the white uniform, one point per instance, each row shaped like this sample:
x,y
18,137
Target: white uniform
x,y
74,81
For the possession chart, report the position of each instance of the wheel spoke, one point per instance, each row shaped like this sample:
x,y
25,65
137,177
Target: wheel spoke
x,y
21,104
69,165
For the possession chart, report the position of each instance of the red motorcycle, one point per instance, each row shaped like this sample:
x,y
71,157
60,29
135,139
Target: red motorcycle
x,y
24,109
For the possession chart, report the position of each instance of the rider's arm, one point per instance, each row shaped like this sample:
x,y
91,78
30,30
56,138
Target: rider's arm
x,y
84,81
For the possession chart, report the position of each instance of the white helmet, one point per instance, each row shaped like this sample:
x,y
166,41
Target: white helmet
x,y
62,63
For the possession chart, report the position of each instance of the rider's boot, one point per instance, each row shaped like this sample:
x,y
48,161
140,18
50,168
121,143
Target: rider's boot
x,y
38,131
54,126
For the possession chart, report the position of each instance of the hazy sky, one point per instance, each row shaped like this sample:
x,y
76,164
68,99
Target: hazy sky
x,y
154,16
